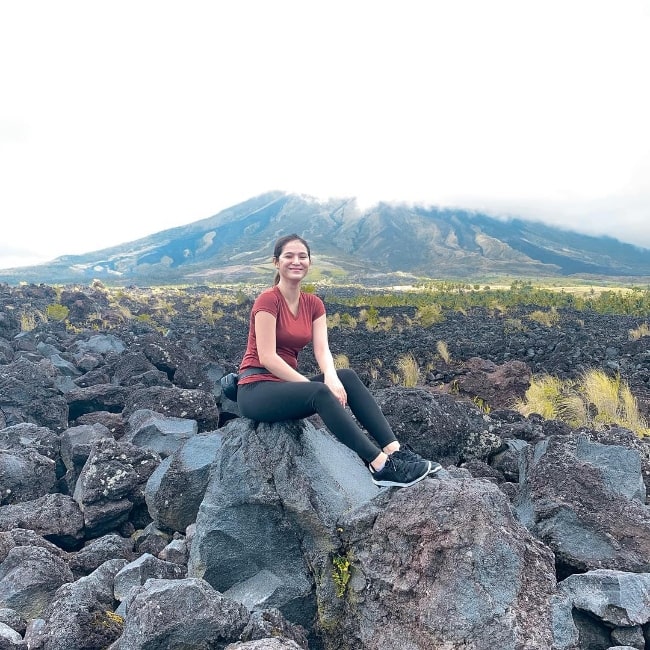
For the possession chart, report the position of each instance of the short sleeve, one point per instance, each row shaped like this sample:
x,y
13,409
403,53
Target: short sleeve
x,y
317,307
267,301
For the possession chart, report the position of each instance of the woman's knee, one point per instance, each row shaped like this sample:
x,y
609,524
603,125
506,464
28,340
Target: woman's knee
x,y
323,398
349,377
347,374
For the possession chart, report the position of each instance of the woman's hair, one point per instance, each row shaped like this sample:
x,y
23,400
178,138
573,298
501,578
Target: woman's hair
x,y
279,247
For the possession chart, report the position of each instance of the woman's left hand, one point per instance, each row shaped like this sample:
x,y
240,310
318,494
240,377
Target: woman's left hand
x,y
336,387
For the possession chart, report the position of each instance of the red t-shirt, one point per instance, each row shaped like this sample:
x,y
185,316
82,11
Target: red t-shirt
x,y
292,333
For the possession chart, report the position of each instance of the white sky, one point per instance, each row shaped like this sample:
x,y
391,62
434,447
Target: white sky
x,y
121,119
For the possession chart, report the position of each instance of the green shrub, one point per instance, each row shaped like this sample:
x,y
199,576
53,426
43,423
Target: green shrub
x,y
428,315
348,321
57,312
341,573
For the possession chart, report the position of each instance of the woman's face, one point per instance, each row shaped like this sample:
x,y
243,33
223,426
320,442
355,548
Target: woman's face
x,y
294,261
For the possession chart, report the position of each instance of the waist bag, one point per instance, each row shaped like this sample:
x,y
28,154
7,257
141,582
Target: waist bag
x,y
229,382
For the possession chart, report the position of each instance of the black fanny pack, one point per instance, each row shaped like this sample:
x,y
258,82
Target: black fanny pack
x,y
229,382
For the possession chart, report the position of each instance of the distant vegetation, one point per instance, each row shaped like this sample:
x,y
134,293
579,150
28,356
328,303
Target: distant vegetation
x,y
430,301
431,298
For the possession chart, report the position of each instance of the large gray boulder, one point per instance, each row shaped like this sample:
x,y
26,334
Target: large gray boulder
x,y
175,490
156,617
496,386
80,615
147,566
111,484
443,564
24,537
267,522
54,516
438,427
29,578
9,638
135,369
97,551
99,397
193,404
99,344
25,475
76,444
618,601
28,393
586,500
185,369
30,436
159,433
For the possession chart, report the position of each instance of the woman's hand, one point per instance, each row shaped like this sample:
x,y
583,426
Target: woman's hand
x,y
335,385
325,361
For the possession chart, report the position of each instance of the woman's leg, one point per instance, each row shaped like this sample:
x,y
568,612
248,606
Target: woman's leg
x,y
365,409
274,401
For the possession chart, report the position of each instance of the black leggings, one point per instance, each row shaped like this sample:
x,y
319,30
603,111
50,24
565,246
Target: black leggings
x,y
274,401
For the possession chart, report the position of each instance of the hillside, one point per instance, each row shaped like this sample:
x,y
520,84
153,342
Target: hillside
x,y
235,245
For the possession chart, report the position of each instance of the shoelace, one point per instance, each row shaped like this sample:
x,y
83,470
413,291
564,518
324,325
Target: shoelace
x,y
409,455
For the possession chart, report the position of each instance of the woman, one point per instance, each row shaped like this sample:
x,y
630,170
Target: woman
x,y
283,320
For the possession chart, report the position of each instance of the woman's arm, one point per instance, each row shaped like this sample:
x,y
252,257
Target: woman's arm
x,y
324,358
265,324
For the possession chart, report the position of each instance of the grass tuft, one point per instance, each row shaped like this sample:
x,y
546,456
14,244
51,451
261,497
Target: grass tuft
x,y
341,361
409,371
639,332
549,318
443,351
595,401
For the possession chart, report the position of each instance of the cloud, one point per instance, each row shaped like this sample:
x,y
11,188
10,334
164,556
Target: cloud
x,y
121,121
15,256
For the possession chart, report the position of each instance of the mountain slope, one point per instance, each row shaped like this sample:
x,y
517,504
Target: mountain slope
x,y
236,244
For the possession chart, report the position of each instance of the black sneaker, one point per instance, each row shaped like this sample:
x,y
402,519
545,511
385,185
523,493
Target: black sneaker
x,y
399,473
408,455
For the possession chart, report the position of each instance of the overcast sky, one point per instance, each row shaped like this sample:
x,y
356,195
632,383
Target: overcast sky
x,y
121,119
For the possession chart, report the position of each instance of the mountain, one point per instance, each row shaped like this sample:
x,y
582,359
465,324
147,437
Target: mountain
x,y
236,244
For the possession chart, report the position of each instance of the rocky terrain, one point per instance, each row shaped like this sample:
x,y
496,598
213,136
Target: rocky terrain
x,y
137,510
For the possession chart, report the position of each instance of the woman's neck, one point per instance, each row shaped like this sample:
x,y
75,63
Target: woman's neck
x,y
290,290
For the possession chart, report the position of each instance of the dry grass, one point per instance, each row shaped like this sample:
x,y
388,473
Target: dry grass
x,y
443,351
409,371
612,401
29,319
639,332
341,361
595,401
549,318
513,326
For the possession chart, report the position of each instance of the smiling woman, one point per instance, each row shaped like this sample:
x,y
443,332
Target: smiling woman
x,y
284,319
